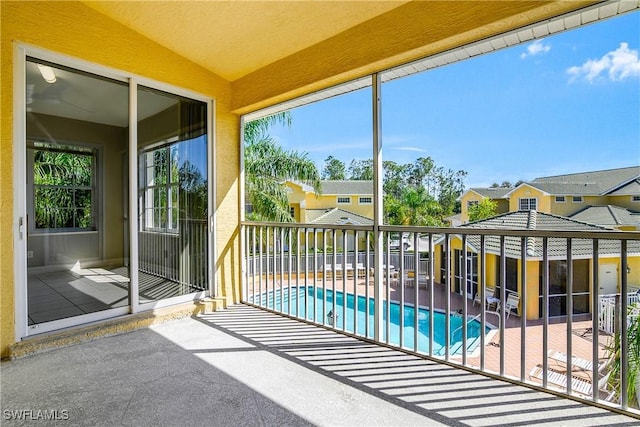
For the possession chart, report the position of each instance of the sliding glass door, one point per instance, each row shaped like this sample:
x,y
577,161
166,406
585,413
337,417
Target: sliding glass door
x,y
75,125
172,195
85,153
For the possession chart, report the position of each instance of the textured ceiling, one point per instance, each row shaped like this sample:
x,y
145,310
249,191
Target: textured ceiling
x,y
211,33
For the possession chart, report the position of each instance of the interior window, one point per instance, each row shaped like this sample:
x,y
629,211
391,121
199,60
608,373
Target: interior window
x,y
63,187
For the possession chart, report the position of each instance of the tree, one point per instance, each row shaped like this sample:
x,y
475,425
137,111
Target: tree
x,y
361,170
334,169
394,178
450,187
421,173
268,166
414,207
58,178
487,208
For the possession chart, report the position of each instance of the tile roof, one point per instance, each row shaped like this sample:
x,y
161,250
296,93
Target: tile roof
x,y
608,215
347,187
618,182
630,189
492,192
336,216
594,183
532,220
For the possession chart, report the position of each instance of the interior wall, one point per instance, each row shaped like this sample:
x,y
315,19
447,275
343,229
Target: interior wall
x,y
78,31
111,141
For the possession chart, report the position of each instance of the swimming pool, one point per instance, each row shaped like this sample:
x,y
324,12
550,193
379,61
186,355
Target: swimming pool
x,y
315,305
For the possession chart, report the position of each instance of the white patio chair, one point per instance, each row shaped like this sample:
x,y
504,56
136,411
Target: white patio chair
x,y
513,300
578,384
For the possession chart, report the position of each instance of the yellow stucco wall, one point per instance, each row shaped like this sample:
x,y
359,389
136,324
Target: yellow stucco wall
x,y
78,31
469,196
321,201
525,191
533,274
331,201
624,201
569,207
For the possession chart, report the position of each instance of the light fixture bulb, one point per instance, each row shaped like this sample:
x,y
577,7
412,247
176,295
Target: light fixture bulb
x,y
47,73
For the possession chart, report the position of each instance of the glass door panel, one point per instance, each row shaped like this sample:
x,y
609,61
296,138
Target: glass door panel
x,y
76,123
172,195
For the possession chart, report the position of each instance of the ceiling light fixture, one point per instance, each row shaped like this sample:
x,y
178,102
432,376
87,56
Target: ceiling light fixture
x,y
47,73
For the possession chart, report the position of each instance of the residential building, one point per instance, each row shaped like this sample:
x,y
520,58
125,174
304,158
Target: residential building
x,y
607,197
353,200
340,202
517,275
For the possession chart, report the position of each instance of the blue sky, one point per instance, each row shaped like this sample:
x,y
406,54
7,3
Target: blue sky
x,y
563,104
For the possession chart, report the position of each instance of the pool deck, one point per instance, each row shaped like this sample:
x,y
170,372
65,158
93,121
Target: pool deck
x,y
556,330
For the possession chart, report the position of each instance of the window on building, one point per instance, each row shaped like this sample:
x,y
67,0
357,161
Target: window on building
x,y
558,279
636,198
577,199
472,203
560,199
344,200
528,204
292,212
365,200
63,187
160,192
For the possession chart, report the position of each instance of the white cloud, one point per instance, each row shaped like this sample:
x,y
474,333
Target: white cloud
x,y
418,149
619,64
536,48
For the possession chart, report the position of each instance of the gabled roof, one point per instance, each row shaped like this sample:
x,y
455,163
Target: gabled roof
x,y
347,188
491,192
525,184
607,215
631,188
615,182
336,216
587,183
533,220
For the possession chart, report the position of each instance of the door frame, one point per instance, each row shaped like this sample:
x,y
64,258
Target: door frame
x,y
20,274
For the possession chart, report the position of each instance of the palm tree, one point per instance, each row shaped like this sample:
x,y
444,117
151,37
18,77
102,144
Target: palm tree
x,y
633,370
268,166
414,207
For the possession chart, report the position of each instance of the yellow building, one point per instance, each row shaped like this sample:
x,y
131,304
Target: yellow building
x,y
147,100
609,267
341,202
609,197
350,197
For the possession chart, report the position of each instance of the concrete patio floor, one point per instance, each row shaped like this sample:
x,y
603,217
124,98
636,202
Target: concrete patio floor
x,y
244,366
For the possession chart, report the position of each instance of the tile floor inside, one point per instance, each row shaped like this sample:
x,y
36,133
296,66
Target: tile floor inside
x,y
67,293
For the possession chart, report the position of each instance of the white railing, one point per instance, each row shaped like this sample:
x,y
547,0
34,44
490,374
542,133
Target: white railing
x,y
179,256
607,309
431,311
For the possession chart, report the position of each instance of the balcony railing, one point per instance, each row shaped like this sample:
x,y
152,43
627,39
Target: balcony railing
x,y
508,303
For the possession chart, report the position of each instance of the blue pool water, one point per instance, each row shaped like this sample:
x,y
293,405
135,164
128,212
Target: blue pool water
x,y
318,307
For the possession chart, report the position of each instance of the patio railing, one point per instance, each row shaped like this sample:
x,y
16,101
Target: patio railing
x,y
348,278
607,306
